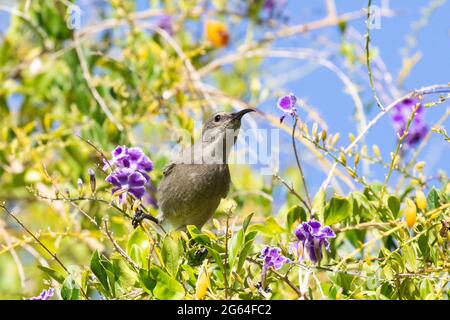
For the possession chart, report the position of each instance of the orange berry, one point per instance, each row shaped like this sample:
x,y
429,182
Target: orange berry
x,y
410,213
217,33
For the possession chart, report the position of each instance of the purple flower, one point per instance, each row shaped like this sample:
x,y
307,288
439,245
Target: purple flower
x,y
165,23
44,295
313,236
401,115
287,105
273,258
133,158
129,181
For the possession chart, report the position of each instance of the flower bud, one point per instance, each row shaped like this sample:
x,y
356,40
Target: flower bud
x,y
314,129
376,151
304,128
395,160
351,137
80,183
335,139
343,158
323,135
410,213
92,180
356,161
419,165
421,200
364,150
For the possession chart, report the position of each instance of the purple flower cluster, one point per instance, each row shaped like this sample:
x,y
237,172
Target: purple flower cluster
x,y
130,176
287,105
44,295
401,115
313,237
273,258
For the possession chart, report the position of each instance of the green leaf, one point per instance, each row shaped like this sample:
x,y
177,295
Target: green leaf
x,y
198,236
270,227
112,282
166,287
171,255
147,283
138,247
52,274
235,246
190,272
247,221
337,210
295,213
362,208
70,289
409,256
433,200
394,205
217,258
99,270
318,205
246,249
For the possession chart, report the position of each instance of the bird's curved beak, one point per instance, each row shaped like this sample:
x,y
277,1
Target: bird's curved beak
x,y
240,114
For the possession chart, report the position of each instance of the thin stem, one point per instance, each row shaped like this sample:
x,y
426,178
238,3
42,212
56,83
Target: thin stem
x,y
118,248
369,69
297,159
397,149
225,277
295,193
53,255
425,90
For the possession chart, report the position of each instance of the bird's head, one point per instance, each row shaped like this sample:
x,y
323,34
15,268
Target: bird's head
x,y
219,123
220,132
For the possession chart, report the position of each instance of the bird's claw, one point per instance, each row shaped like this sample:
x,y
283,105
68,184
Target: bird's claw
x,y
139,216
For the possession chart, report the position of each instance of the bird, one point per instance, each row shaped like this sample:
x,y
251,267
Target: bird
x,y
194,182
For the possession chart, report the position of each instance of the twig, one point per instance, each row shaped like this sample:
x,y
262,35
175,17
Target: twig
x,y
292,190
369,70
426,90
283,278
53,255
397,148
421,146
385,234
298,162
88,78
118,248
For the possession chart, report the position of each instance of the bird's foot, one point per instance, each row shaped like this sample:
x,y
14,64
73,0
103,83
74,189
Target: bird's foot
x,y
139,216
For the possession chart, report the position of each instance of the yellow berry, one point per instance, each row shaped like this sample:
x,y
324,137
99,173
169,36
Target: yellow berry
x,y
421,200
202,285
410,213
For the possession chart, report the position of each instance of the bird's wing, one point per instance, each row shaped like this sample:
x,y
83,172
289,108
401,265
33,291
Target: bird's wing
x,y
168,169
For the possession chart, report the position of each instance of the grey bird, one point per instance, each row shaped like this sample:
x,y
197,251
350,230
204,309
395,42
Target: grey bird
x,y
194,183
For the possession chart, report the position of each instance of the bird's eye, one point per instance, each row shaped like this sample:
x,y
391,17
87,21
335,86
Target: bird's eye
x,y
217,118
